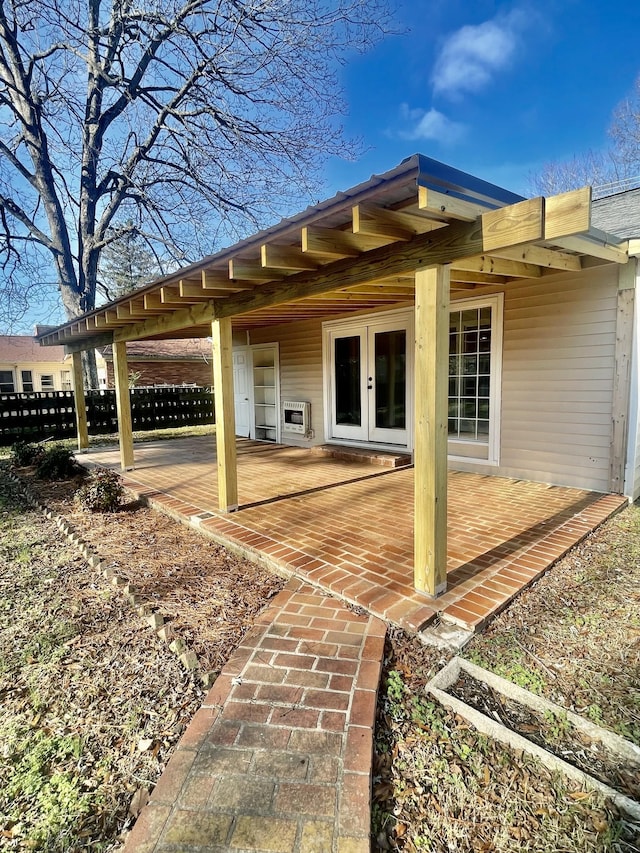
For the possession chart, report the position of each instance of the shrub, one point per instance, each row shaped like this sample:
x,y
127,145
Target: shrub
x,y
102,492
23,453
56,463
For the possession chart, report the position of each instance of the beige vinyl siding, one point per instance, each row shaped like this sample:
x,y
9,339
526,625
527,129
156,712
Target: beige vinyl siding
x,y
557,380
300,370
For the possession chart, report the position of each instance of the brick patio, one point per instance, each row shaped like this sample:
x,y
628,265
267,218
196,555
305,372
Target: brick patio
x,y
347,526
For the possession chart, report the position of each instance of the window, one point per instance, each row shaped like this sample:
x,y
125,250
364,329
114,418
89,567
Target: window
x,y
46,382
7,385
27,381
474,368
65,379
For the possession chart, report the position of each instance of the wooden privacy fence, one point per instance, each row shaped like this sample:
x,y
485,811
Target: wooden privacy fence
x,y
51,414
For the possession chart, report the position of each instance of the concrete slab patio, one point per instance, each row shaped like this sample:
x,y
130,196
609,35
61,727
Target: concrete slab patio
x,y
347,526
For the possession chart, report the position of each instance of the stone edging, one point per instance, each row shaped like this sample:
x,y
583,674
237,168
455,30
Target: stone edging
x,y
154,619
618,746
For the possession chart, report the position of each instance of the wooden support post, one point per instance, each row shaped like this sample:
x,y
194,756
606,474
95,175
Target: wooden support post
x,y
622,374
123,404
78,397
225,414
430,448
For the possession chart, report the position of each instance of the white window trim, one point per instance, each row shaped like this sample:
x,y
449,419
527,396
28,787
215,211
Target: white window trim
x,y
13,378
496,303
357,322
46,390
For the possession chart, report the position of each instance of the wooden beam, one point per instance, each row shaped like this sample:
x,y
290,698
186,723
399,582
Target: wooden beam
x,y
286,258
193,290
225,415
430,441
458,240
123,404
332,243
100,339
549,258
380,222
217,280
171,296
567,214
596,244
472,277
497,266
248,269
522,222
82,429
168,323
444,206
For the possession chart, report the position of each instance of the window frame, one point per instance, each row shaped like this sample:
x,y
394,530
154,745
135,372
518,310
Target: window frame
x,y
28,381
13,382
44,376
492,445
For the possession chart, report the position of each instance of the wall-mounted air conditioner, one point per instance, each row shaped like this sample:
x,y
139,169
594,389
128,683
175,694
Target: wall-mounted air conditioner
x,y
296,418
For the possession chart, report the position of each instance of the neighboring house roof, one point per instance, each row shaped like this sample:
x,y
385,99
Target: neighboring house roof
x,y
17,349
618,214
189,349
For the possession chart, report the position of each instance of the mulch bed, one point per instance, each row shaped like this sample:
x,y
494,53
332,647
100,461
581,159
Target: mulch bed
x,y
208,595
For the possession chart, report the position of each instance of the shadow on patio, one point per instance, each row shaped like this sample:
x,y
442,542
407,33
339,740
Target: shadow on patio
x,y
348,527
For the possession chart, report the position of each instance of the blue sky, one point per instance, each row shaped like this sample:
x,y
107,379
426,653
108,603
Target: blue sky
x,y
493,89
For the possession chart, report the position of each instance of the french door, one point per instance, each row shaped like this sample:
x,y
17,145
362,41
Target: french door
x,y
368,381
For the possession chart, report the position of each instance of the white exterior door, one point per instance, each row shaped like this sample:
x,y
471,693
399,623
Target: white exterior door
x,y
241,391
368,380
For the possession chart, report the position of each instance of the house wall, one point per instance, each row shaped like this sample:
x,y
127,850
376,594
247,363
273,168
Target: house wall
x,y
300,370
167,373
557,380
559,337
38,369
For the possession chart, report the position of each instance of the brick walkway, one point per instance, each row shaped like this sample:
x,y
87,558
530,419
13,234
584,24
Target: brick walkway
x,y
278,758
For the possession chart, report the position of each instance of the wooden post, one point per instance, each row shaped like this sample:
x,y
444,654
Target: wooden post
x,y
123,404
225,415
430,449
78,397
622,375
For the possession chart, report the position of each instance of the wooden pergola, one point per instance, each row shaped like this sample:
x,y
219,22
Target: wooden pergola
x,y
414,235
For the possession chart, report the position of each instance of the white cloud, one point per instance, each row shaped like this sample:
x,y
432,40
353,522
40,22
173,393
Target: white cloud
x,y
470,57
431,124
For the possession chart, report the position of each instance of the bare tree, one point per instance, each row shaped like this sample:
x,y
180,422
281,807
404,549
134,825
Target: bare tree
x,y
186,119
618,165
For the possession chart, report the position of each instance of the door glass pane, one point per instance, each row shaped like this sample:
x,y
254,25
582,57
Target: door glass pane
x,y
347,381
390,379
